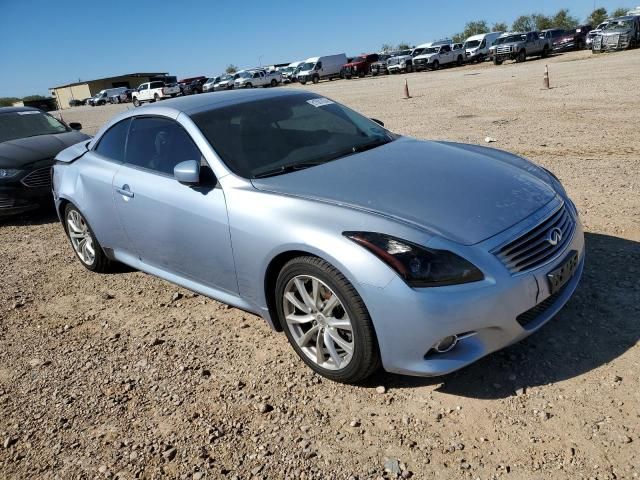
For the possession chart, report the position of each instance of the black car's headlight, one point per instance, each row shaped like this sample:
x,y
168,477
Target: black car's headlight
x,y
8,173
418,266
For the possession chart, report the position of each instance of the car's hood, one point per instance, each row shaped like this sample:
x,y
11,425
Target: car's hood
x,y
466,193
617,31
23,151
354,64
426,55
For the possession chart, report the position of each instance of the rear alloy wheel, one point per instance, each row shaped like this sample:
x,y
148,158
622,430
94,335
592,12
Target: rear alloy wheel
x,y
84,242
326,321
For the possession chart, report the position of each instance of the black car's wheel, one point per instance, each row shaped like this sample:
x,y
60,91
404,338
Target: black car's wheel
x,y
522,56
83,241
326,321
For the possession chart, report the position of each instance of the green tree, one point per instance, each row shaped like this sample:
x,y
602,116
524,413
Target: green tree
x,y
598,16
500,27
542,22
619,12
562,19
386,47
474,28
8,101
33,97
458,38
524,23
404,46
231,68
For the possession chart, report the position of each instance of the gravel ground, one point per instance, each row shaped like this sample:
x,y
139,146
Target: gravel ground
x,y
127,376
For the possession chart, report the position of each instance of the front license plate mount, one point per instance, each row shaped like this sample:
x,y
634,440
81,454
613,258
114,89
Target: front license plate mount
x,y
561,275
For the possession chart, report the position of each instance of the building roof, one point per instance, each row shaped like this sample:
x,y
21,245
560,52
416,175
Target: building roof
x,y
138,74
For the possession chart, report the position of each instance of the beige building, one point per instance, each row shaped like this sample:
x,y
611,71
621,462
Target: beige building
x,y
81,90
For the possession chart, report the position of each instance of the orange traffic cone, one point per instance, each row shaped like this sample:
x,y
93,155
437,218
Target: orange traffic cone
x,y
406,89
545,81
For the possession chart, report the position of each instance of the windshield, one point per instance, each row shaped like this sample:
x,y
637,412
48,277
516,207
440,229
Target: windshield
x,y
245,75
472,44
618,25
276,135
511,38
307,66
29,123
431,50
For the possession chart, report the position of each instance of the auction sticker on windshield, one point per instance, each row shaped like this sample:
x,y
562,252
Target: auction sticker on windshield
x,y
319,102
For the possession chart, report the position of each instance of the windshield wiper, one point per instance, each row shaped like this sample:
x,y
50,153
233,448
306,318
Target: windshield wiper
x,y
287,169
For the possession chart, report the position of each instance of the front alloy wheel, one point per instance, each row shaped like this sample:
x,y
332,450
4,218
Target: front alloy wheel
x,y
84,242
326,321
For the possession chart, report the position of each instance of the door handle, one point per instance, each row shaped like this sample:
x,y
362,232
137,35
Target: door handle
x,y
125,191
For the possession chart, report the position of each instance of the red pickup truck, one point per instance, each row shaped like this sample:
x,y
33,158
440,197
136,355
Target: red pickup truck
x,y
359,66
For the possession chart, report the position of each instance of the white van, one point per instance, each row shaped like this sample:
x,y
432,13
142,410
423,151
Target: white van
x,y
319,68
477,46
102,97
288,71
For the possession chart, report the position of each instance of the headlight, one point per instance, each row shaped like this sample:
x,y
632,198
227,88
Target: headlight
x,y
418,266
8,172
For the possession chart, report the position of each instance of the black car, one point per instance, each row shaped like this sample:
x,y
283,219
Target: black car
x,y
29,140
193,87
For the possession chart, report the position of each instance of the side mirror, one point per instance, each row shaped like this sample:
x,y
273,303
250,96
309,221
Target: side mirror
x,y
379,122
75,126
187,172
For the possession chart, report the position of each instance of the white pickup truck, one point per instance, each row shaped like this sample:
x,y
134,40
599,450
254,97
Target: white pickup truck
x,y
153,91
257,78
438,55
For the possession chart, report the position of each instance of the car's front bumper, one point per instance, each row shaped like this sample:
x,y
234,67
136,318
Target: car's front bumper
x,y
16,199
410,322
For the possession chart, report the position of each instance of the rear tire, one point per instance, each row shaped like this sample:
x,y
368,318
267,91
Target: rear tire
x,y
358,334
84,242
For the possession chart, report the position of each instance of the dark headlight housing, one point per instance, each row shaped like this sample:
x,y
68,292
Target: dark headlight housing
x,y
418,266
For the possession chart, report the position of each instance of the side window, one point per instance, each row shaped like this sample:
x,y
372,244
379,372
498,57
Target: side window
x,y
144,86
484,43
112,143
159,144
446,49
319,66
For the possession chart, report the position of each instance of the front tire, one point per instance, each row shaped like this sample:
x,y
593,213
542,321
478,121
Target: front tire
x,y
315,79
435,65
522,56
459,60
274,82
156,97
136,102
326,321
84,242
545,52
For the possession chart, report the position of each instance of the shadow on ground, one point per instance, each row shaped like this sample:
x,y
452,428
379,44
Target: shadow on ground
x,y
41,216
596,326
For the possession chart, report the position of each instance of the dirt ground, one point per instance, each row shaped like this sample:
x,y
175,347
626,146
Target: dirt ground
x,y
127,376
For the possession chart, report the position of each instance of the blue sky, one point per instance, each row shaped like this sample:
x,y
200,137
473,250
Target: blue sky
x,y
44,43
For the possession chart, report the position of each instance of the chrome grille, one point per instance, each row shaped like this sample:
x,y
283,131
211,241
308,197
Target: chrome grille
x,y
38,178
504,49
612,39
534,248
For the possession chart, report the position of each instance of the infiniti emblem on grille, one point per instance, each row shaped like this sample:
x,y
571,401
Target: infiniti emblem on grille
x,y
554,236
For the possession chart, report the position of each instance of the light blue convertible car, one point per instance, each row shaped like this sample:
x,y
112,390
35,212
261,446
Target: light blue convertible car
x,y
367,248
